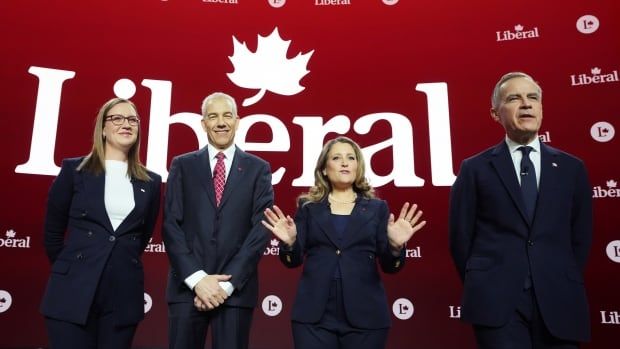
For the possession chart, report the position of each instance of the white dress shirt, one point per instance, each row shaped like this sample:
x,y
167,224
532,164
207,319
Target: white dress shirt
x,y
517,155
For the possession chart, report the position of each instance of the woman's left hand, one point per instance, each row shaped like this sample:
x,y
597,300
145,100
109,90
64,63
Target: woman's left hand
x,y
399,231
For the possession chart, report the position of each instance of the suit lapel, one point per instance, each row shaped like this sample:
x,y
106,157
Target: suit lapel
x,y
320,213
140,197
235,175
358,219
549,173
203,165
95,186
502,162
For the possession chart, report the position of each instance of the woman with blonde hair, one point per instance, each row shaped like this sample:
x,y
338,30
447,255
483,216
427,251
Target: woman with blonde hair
x,y
101,211
339,233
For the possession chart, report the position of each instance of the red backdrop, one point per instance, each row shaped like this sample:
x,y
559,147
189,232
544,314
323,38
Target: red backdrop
x,y
409,80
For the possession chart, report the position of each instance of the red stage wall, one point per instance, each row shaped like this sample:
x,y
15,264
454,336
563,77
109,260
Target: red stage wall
x,y
409,80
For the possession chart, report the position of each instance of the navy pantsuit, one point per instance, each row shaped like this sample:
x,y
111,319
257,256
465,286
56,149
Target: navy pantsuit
x,y
94,267
363,245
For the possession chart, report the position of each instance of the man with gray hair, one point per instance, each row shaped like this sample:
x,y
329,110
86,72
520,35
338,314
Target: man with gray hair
x,y
521,230
215,201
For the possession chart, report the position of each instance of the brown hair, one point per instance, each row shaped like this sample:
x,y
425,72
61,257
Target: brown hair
x,y
94,162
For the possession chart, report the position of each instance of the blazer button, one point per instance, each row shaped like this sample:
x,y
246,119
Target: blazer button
x,y
79,256
112,238
338,252
89,234
530,242
84,213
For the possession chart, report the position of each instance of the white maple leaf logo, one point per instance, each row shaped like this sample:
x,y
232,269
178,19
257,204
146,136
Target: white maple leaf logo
x,y
268,68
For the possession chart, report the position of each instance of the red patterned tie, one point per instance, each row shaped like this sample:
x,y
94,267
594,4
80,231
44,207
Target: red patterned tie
x,y
219,177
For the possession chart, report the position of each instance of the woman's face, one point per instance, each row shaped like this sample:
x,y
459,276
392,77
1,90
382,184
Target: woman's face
x,y
123,136
341,165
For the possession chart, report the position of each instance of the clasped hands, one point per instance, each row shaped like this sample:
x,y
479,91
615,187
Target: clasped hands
x,y
209,294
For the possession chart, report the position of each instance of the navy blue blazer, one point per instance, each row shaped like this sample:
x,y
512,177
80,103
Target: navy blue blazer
x,y
76,207
228,239
364,242
493,244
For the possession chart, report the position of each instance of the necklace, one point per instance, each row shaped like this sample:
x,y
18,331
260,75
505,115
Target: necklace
x,y
332,199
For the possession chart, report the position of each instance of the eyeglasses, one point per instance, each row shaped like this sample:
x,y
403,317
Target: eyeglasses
x,y
119,120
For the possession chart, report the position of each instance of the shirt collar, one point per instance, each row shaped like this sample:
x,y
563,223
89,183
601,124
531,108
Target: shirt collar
x,y
228,152
514,146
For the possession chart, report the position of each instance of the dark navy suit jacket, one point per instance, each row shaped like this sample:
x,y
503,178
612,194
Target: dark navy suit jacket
x,y
318,248
228,239
76,206
493,243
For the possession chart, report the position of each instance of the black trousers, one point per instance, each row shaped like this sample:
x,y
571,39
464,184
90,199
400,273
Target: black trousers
x,y
525,330
187,327
334,331
100,330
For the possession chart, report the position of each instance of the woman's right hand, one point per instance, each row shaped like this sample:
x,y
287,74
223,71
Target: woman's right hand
x,y
281,225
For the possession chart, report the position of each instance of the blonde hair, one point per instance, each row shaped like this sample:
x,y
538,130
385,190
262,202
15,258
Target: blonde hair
x,y
322,187
94,162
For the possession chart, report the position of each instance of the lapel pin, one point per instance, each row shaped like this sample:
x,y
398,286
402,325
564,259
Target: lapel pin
x,y
142,190
554,164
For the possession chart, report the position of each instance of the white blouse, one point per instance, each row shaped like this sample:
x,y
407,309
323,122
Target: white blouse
x,y
118,195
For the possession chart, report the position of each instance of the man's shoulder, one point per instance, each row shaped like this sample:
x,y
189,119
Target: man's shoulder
x,y
560,153
484,155
189,155
251,157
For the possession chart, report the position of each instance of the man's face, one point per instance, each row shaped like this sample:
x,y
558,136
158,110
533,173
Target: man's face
x,y
519,109
220,123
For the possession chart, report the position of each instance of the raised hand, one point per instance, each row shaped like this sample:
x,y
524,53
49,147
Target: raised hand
x,y
281,225
399,231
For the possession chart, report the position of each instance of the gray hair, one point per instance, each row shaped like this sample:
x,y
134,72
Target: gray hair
x,y
218,95
495,97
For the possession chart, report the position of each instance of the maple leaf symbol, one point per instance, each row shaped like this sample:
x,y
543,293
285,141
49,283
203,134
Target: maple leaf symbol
x,y
268,68
10,233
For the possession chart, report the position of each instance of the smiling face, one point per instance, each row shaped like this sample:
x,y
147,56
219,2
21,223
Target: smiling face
x,y
519,109
341,166
220,123
120,137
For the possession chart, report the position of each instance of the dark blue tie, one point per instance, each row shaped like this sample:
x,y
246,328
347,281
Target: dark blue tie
x,y
529,189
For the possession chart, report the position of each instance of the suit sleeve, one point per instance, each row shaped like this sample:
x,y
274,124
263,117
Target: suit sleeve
x,y
294,256
581,217
153,210
182,259
245,262
57,215
462,217
389,263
